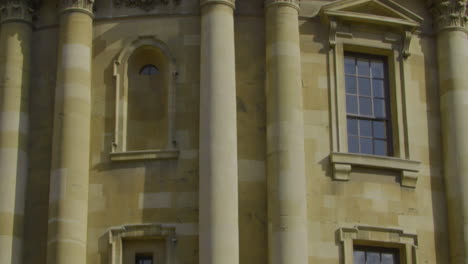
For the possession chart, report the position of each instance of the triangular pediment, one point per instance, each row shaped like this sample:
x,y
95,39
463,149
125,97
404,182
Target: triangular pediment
x,y
372,11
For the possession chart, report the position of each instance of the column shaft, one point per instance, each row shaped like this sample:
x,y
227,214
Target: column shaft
x,y
219,231
453,65
15,38
287,208
68,200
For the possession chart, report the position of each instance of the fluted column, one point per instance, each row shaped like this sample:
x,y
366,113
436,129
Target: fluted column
x,y
451,21
287,210
219,231
68,199
15,39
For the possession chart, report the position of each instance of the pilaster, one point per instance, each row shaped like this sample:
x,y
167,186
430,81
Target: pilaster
x,y
219,224
287,204
15,50
68,198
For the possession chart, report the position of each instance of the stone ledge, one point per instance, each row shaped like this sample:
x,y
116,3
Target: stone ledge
x,y
145,155
344,162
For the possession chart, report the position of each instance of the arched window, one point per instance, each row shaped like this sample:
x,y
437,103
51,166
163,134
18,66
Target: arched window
x,y
144,102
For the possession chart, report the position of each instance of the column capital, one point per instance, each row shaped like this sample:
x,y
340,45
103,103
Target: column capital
x,y
16,11
449,14
291,3
84,6
231,3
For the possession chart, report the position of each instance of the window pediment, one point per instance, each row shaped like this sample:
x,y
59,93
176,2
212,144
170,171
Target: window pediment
x,y
383,12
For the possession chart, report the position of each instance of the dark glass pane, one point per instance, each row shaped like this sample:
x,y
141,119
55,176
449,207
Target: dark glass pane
x,y
352,126
366,146
377,69
388,258
364,86
353,144
350,84
378,86
351,104
380,147
359,257
350,65
373,258
365,128
149,69
363,67
365,106
379,108
380,129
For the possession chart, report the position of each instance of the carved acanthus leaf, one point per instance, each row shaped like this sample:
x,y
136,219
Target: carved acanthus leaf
x,y
16,10
449,14
82,5
146,5
292,3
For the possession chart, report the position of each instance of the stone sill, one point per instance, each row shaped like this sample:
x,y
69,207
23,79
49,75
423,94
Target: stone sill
x,y
145,155
344,162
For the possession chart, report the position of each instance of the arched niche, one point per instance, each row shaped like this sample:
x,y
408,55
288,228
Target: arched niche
x,y
144,75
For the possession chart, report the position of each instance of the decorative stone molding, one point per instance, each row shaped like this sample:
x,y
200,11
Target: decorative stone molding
x,y
291,3
143,231
231,3
449,14
407,242
85,6
16,11
146,5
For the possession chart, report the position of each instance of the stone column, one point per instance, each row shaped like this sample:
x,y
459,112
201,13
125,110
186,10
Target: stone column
x,y
15,39
450,19
219,228
68,199
287,205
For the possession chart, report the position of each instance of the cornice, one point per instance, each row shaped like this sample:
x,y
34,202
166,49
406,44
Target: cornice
x,y
291,3
449,14
16,11
231,3
84,6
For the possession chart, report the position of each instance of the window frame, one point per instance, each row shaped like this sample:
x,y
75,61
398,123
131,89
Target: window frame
x,y
378,249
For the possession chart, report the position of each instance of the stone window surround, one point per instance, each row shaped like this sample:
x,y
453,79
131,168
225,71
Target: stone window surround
x,y
406,242
119,151
396,48
141,232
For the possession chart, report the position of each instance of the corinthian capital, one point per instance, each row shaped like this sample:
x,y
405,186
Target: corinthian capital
x,y
449,14
231,3
16,11
85,6
291,3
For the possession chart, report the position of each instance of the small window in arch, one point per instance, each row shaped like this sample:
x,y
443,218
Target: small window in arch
x,y
149,69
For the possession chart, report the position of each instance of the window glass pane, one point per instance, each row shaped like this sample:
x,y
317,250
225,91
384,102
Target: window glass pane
x,y
363,67
350,65
380,130
379,108
365,128
373,258
149,69
364,86
351,104
377,69
388,258
378,86
353,144
352,126
359,257
380,147
366,146
365,106
350,84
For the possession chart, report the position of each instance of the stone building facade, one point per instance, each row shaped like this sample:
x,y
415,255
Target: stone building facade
x,y
233,131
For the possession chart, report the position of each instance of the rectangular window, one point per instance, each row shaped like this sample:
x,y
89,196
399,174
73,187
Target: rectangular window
x,y
375,255
367,104
144,258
